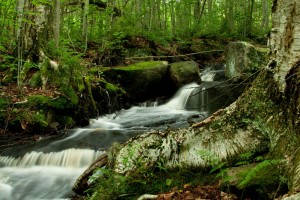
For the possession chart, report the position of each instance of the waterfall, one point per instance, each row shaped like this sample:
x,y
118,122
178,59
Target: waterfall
x,y
39,175
181,97
212,75
65,158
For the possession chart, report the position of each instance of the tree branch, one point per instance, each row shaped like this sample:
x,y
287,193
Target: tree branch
x,y
181,55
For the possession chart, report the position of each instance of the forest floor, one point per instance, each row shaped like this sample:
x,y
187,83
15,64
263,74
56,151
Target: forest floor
x,y
212,192
18,95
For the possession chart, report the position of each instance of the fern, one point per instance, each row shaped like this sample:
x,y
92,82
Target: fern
x,y
252,173
217,167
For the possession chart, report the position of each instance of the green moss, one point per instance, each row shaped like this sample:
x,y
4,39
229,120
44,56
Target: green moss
x,y
108,185
44,102
89,89
143,65
111,88
97,70
38,101
70,93
60,103
4,102
36,80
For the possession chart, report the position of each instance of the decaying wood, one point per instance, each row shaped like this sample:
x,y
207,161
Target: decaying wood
x,y
81,183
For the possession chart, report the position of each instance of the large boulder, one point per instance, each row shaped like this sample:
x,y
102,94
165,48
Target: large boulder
x,y
141,81
242,59
184,72
149,80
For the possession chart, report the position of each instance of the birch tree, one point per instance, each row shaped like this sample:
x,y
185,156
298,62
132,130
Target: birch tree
x,y
19,38
85,23
56,22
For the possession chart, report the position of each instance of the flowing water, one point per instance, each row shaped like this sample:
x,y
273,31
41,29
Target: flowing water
x,y
48,169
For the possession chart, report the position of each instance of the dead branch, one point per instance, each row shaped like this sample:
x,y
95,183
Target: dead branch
x,y
181,55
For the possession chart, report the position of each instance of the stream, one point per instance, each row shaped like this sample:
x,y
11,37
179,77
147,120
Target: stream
x,y
48,169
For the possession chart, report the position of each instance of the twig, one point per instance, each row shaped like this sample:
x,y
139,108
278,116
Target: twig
x,y
181,55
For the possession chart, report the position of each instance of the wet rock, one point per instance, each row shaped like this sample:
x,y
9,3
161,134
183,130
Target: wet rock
x,y
141,81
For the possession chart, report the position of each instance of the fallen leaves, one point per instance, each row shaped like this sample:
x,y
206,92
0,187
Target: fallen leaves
x,y
208,192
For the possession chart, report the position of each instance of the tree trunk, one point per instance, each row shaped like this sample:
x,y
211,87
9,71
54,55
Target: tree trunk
x,y
85,23
56,22
19,36
265,15
229,16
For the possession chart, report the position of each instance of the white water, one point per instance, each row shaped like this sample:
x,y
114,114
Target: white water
x,y
210,75
48,170
39,175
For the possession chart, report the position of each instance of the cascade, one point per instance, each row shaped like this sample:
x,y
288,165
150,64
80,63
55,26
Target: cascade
x,y
65,158
181,97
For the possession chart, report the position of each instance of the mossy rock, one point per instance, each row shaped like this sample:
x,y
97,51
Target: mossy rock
x,y
185,72
45,102
141,81
242,59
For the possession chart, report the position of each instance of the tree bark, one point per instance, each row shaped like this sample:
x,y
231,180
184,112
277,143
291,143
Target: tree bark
x,y
56,22
85,13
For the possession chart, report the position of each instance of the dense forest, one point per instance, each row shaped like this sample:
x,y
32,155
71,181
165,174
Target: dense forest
x,y
76,76
53,44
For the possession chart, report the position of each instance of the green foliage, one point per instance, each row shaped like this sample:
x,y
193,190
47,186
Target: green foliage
x,y
245,158
36,80
113,89
60,103
38,101
265,172
27,117
107,185
70,93
4,102
39,118
45,102
69,70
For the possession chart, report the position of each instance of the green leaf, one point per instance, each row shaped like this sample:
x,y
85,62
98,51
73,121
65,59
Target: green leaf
x,y
169,182
219,166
